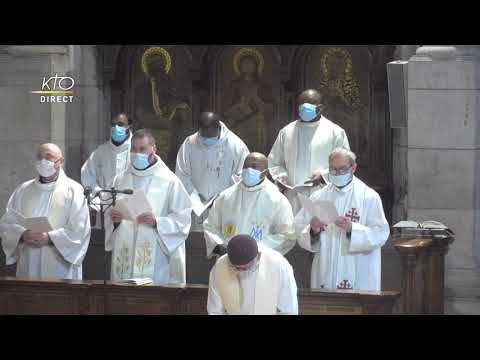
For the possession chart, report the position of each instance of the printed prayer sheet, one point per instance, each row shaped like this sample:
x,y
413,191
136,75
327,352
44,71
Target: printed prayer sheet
x,y
324,210
38,224
131,206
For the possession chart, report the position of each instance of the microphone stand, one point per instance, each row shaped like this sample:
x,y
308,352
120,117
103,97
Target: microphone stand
x,y
103,207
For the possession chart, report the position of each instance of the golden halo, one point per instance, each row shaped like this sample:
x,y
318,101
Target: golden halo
x,y
336,51
248,52
156,50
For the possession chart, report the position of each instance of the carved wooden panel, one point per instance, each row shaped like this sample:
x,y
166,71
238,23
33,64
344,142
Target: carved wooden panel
x,y
244,88
156,89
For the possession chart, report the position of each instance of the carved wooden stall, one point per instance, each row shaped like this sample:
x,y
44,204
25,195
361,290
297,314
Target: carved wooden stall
x,y
28,297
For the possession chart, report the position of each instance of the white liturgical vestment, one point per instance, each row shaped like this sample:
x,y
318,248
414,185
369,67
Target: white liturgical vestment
x,y
141,250
343,262
106,162
262,212
63,203
269,290
301,148
208,170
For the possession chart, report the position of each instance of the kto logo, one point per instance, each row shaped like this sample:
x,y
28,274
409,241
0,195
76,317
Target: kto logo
x,y
56,89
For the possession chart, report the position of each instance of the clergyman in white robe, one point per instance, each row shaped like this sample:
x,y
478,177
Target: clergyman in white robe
x,y
208,170
301,149
106,162
261,211
63,203
269,290
143,251
343,262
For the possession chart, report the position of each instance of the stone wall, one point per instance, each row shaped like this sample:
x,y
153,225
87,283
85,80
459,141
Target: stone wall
x,y
443,159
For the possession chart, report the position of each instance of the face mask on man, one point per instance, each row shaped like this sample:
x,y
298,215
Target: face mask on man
x,y
45,168
209,141
251,177
140,161
341,180
307,112
119,133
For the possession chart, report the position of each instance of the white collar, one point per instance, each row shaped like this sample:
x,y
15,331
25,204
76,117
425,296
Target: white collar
x,y
51,185
121,148
301,123
253,188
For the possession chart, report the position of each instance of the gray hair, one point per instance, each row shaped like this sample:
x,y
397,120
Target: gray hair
x,y
350,155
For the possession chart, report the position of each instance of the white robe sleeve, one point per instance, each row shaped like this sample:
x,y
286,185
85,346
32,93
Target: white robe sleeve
x,y
88,173
241,154
374,233
280,236
10,231
173,229
302,232
214,301
287,303
342,140
212,227
73,238
276,158
183,170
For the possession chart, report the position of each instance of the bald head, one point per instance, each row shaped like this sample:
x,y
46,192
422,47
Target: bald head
x,y
256,161
49,170
310,96
209,124
50,152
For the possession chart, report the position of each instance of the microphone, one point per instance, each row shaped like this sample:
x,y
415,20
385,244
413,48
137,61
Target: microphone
x,y
115,191
87,192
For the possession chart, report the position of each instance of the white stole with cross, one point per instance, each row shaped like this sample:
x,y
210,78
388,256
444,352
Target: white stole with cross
x,y
266,286
338,268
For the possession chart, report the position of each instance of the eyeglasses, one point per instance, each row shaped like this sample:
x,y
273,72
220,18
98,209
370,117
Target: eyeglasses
x,y
341,171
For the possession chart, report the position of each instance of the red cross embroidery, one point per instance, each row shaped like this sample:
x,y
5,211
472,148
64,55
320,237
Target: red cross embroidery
x,y
353,215
345,284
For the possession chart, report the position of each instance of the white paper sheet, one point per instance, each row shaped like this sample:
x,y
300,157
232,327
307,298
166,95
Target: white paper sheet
x,y
198,206
131,206
324,210
39,224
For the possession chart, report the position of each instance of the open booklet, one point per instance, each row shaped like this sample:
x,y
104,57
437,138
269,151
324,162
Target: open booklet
x,y
131,206
279,176
38,224
324,210
429,225
137,281
198,206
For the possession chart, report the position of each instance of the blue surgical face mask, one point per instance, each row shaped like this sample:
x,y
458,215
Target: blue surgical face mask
x,y
251,177
119,133
307,112
341,180
139,160
209,141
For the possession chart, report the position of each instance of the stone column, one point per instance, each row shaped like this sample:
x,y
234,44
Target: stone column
x,y
25,122
444,159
